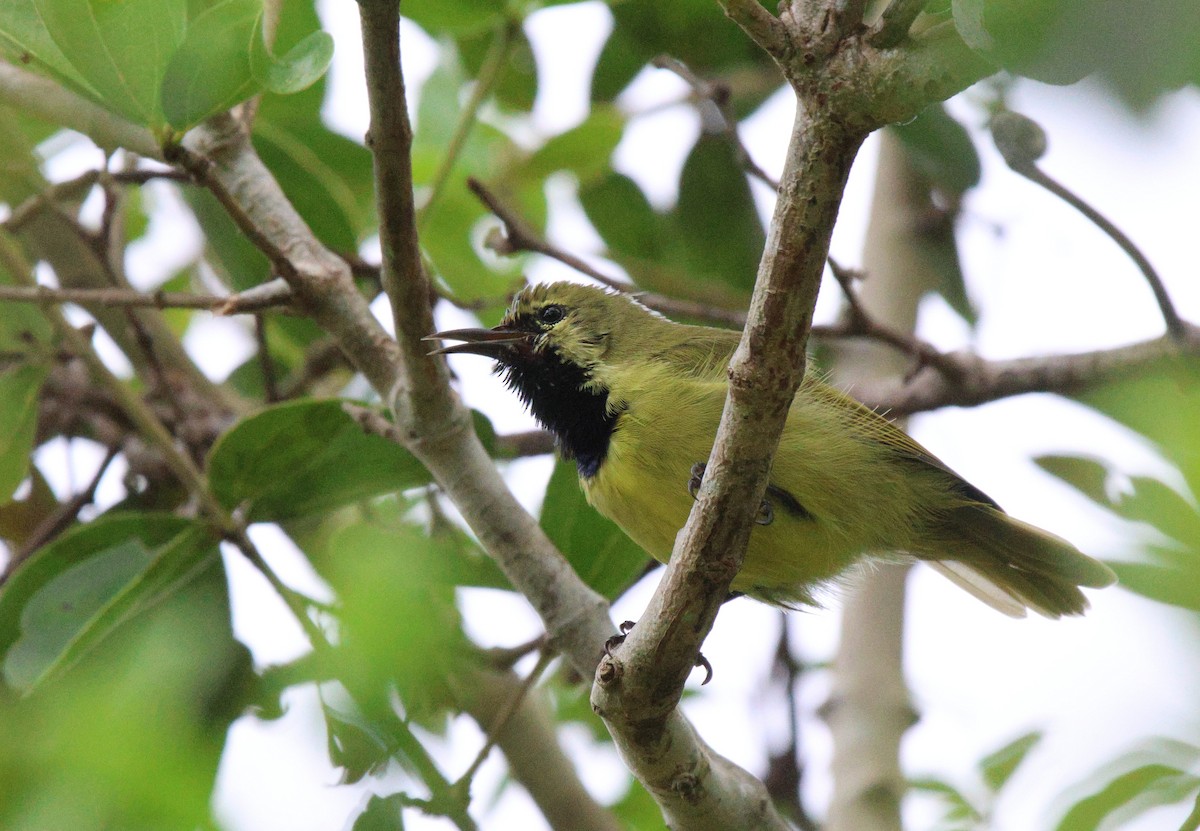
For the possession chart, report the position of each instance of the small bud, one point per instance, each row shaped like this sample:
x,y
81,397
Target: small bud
x,y
1020,140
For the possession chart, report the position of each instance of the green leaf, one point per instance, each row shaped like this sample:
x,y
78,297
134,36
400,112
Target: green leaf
x,y
585,150
383,813
1087,475
122,48
1159,505
305,457
1061,41
1025,36
623,216
301,67
71,594
18,414
998,767
940,148
24,40
326,177
1160,403
517,84
1140,789
138,720
462,17
597,549
238,261
722,235
210,72
1174,579
957,806
699,34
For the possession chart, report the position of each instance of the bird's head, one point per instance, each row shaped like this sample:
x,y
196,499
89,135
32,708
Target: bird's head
x,y
556,348
552,325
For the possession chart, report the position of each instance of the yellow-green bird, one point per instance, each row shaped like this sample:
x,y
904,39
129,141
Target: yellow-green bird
x,y
635,399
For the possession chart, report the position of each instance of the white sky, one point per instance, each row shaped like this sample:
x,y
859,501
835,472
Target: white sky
x,y
1049,282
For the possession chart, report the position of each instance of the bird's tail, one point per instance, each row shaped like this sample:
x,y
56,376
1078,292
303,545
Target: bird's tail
x,y
1013,566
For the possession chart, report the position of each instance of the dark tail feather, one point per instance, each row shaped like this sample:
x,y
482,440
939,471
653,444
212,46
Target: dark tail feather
x,y
1011,565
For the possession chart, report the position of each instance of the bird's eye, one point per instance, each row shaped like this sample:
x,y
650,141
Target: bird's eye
x,y
549,315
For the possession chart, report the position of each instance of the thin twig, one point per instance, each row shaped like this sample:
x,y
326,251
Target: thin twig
x,y
862,324
270,383
518,236
1022,142
718,95
1175,324
493,66
498,724
59,519
79,185
763,27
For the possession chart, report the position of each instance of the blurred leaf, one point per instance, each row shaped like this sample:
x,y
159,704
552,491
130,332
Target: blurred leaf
x,y
382,813
298,69
585,150
718,222
210,72
305,457
449,229
354,744
597,549
1061,41
88,583
326,177
19,389
697,33
400,623
1130,794
956,805
1160,403
22,517
133,731
226,248
20,164
462,17
940,148
121,48
637,809
24,39
998,767
26,340
516,88
1087,475
1159,505
619,210
1174,579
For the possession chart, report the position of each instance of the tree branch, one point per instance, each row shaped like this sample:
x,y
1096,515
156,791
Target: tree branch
x,y
244,303
430,420
34,94
843,92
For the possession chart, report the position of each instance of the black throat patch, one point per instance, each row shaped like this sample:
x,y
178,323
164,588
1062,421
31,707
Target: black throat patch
x,y
554,390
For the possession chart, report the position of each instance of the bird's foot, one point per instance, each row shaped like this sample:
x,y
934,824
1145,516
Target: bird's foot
x,y
696,478
766,511
627,626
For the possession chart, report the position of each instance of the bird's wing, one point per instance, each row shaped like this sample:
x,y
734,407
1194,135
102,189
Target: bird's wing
x,y
699,351
868,423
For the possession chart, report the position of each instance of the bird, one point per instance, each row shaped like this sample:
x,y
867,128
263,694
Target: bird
x,y
635,399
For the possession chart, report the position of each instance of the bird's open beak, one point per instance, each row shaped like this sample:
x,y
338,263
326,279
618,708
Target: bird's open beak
x,y
491,343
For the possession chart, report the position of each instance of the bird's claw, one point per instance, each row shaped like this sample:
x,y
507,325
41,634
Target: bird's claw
x,y
696,478
627,626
